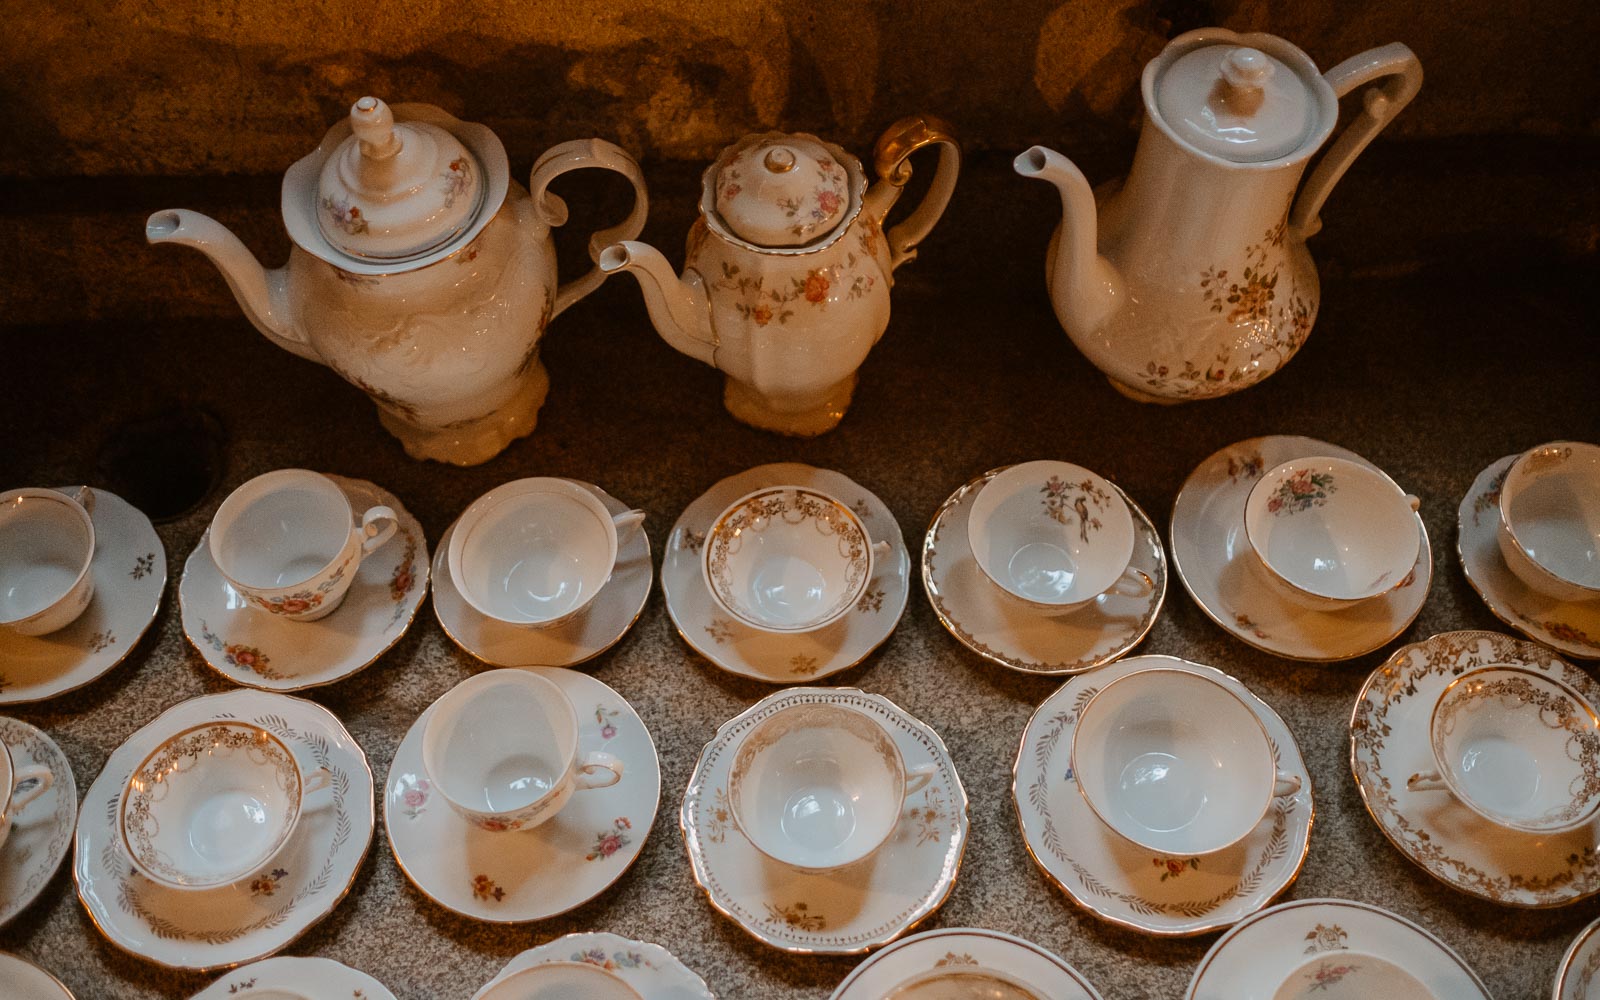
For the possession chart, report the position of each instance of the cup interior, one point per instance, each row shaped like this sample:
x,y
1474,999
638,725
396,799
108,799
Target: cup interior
x,y
817,786
963,982
1332,528
500,741
46,543
787,559
211,804
1051,532
561,981
533,554
280,529
1173,761
1551,503
1519,747
1351,975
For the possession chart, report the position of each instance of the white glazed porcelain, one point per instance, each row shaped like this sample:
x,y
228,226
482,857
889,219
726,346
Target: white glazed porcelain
x,y
501,748
38,838
1192,280
1578,977
559,981
444,338
836,913
1573,627
786,658
227,926
1549,531
648,968
1253,960
819,787
1518,748
788,559
1330,532
1175,762
1121,882
19,785
212,804
1213,559
46,548
129,570
785,286
295,979
538,873
289,542
25,981
921,965
1351,975
274,653
1053,535
535,552
1389,741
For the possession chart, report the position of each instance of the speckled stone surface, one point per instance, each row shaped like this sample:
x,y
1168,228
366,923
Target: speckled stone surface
x,y
1454,330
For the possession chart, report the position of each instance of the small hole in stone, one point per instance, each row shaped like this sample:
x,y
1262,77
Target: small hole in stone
x,y
165,464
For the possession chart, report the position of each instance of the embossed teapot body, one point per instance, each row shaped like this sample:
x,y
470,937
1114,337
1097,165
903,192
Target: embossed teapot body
x,y
1195,281
786,282
420,271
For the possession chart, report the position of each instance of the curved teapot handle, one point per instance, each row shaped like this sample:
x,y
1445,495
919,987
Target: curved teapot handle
x,y
576,155
1378,108
889,159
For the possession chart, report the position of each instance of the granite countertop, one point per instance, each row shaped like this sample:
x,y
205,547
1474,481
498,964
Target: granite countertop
x,y
1456,327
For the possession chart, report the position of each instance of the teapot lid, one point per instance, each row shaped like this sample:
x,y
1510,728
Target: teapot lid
x,y
1236,102
781,191
392,191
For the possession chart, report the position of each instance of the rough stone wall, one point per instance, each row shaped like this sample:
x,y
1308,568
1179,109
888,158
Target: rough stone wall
x,y
219,86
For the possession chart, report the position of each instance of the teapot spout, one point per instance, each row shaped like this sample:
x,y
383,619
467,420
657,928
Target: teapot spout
x,y
262,294
679,308
1084,286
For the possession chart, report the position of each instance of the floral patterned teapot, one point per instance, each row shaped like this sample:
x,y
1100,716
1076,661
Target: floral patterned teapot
x,y
420,271
1195,280
786,284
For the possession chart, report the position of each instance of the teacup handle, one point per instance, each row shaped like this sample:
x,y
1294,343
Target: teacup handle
x,y
879,550
38,780
374,533
627,521
918,777
1426,781
1285,784
598,769
315,781
83,496
1133,583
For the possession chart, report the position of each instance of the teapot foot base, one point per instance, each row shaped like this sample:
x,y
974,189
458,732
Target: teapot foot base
x,y
797,416
1139,396
474,441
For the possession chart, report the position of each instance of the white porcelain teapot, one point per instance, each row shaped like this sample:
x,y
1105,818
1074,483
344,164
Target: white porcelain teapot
x,y
420,271
1195,281
786,284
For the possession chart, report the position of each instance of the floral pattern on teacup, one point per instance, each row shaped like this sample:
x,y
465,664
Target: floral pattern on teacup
x,y
1063,501
1300,491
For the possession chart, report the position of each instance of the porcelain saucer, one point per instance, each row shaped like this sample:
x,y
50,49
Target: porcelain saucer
x,y
599,627
552,868
786,658
842,912
955,947
1216,564
130,573
1123,883
1006,631
296,977
1571,627
649,968
41,833
215,928
1252,960
1578,976
259,650
26,981
1389,742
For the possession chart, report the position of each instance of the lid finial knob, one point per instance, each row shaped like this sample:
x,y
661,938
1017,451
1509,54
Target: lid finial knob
x,y
1246,69
780,160
373,124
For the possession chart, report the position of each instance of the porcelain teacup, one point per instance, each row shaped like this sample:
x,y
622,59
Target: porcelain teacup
x,y
289,542
18,787
1330,533
46,547
560,981
1517,747
533,553
1054,535
1351,975
502,748
819,786
213,804
788,559
1549,531
963,982
1175,762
